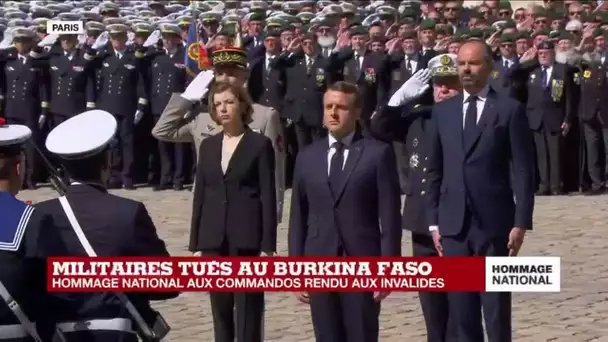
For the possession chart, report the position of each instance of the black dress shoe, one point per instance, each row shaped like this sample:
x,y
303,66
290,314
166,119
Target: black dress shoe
x,y
595,192
542,193
128,186
556,192
178,187
114,185
31,185
161,187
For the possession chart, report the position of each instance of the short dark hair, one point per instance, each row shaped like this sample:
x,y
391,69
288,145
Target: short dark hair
x,y
349,89
87,169
7,166
245,102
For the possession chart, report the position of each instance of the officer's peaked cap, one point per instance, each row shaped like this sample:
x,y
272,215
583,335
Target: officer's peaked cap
x,y
444,65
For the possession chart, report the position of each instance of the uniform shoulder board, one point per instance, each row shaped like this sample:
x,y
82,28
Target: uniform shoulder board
x,y
15,217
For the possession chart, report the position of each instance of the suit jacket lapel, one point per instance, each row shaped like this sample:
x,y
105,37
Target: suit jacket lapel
x,y
488,117
242,157
354,154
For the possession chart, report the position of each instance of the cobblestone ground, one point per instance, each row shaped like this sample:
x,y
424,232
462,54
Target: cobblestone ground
x,y
574,228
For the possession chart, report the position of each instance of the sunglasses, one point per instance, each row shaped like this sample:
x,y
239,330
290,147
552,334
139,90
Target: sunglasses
x,y
540,21
504,14
576,13
519,16
507,45
452,9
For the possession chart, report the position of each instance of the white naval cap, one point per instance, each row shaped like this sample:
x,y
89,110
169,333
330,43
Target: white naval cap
x,y
444,65
11,136
83,135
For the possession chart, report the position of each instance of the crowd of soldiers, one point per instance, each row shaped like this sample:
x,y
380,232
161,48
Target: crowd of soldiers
x,y
294,50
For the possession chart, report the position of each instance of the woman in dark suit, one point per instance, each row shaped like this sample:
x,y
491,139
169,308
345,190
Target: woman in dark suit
x,y
234,211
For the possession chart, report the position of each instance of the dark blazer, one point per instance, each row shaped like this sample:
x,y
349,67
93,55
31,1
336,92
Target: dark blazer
x,y
122,228
304,89
24,90
166,75
546,110
363,219
373,78
266,85
479,176
240,205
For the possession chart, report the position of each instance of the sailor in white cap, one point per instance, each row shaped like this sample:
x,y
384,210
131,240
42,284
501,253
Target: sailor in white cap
x,y
90,221
20,279
406,119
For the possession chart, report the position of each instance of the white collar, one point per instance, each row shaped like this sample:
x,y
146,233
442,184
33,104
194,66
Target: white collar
x,y
482,95
347,140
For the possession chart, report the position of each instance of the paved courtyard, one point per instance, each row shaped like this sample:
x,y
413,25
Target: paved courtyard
x,y
575,228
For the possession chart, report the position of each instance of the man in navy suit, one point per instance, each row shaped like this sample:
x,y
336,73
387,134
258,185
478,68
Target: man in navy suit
x,y
345,202
481,186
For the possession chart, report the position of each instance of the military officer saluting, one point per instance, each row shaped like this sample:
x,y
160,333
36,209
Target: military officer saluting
x,y
22,275
167,76
77,227
122,93
25,94
402,121
71,82
181,123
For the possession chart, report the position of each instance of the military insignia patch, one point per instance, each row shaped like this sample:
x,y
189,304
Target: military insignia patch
x,y
415,142
370,75
256,130
445,60
54,68
106,65
587,74
180,65
414,161
10,68
78,68
129,66
320,76
396,75
495,74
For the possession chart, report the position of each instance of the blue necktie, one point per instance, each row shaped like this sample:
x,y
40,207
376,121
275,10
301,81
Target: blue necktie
x,y
335,168
543,77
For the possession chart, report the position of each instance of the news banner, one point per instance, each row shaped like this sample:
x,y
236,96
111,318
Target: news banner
x,y
279,274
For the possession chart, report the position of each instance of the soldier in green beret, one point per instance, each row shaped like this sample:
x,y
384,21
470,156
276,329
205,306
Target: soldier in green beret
x,y
565,51
255,27
288,33
510,27
540,36
455,44
522,43
541,19
427,38
558,19
406,24
504,10
377,43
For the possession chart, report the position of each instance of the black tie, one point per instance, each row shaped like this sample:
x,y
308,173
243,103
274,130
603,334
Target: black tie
x,y
543,77
308,66
506,65
408,65
335,168
357,65
470,122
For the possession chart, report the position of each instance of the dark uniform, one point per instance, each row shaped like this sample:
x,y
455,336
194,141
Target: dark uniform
x,y
122,93
24,92
370,74
509,76
306,82
71,84
266,83
409,126
592,81
549,105
167,75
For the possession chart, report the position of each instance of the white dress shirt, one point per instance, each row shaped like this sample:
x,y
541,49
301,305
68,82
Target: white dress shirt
x,y
359,59
229,145
347,140
413,62
69,55
269,59
509,62
482,96
23,58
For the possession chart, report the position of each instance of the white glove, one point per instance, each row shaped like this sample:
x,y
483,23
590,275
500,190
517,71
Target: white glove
x,y
138,116
49,40
101,41
41,121
82,39
199,86
8,39
412,88
152,39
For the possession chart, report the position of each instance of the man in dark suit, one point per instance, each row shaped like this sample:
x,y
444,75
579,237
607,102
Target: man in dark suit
x,y
345,202
481,148
122,228
508,77
550,109
401,121
368,70
266,84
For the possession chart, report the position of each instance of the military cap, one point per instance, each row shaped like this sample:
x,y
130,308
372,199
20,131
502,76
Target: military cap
x,y
427,24
272,32
184,20
554,34
117,29
69,16
94,26
565,35
259,6
378,38
174,8
146,14
54,8
444,65
108,7
410,34
18,23
153,4
40,23
523,35
332,9
275,22
82,136
459,38
142,28
598,32
387,11
541,33
91,16
348,8
305,17
409,13
323,21
357,30
291,6
23,33
210,17
476,34
41,12
168,28
12,137
257,16
15,15
507,38
504,5
126,12
230,57
212,3
546,45
227,30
